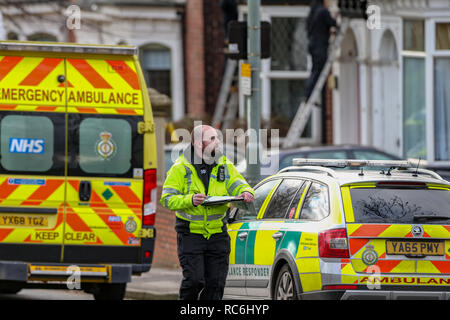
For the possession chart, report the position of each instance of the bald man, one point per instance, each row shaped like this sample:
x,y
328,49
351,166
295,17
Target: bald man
x,y
202,238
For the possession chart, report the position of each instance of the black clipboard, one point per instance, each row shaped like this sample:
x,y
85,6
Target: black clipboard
x,y
216,200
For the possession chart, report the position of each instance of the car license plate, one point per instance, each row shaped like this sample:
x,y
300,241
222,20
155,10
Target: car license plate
x,y
427,248
23,221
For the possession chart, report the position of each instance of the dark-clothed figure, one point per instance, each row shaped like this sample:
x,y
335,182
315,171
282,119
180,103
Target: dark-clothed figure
x,y
318,26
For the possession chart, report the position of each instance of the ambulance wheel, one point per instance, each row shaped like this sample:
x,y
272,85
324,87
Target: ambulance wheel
x,y
110,291
285,286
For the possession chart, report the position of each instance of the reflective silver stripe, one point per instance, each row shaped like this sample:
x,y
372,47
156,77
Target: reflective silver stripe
x,y
235,185
188,178
192,217
195,217
215,217
170,190
166,201
227,174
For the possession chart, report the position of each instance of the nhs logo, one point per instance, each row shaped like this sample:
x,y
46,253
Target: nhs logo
x,y
25,145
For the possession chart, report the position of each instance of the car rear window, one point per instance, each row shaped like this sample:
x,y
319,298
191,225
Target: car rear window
x,y
397,205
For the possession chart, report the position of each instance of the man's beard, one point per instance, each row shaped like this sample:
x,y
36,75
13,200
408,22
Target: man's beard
x,y
211,156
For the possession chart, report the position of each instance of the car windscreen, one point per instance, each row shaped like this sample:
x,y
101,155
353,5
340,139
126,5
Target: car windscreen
x,y
400,205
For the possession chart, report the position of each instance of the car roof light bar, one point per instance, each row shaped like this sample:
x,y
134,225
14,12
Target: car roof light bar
x,y
330,172
344,163
66,47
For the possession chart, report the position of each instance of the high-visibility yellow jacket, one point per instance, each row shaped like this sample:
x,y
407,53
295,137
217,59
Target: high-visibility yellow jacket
x,y
182,183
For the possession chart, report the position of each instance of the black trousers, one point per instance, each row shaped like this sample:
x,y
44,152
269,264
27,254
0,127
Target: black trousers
x,y
319,58
205,265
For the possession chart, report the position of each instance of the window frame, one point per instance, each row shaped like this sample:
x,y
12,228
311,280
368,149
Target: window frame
x,y
267,75
432,54
311,181
156,46
270,193
262,215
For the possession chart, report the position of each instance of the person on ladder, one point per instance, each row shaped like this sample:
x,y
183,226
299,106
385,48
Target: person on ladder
x,y
318,27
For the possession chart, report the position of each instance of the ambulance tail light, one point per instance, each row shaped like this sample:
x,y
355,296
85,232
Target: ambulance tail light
x,y
149,197
333,244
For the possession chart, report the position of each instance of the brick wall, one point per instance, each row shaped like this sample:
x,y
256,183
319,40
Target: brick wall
x,y
194,58
165,254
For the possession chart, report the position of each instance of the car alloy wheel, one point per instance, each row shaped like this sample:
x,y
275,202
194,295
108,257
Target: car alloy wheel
x,y
285,286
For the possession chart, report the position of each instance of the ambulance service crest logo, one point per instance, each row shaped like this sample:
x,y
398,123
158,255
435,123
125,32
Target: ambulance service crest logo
x,y
130,225
369,256
106,147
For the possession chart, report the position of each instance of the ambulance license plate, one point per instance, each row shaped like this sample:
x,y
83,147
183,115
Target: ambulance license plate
x,y
23,221
426,248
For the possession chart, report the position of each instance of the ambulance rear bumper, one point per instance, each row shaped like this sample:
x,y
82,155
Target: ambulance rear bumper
x,y
394,295
24,272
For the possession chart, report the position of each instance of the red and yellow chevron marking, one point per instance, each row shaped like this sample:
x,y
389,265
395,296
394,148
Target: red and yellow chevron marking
x,y
50,195
40,72
395,231
98,83
399,265
94,222
31,81
348,274
90,84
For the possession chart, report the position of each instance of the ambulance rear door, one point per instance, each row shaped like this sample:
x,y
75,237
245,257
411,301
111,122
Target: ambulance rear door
x,y
105,161
32,155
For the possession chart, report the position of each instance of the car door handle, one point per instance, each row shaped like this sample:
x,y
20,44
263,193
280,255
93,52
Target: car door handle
x,y
242,236
277,235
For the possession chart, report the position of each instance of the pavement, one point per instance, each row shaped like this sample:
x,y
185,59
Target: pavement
x,y
157,284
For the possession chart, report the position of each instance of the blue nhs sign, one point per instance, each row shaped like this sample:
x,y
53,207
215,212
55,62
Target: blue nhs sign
x,y
25,145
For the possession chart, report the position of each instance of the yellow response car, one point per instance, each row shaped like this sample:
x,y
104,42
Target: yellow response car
x,y
316,232
77,167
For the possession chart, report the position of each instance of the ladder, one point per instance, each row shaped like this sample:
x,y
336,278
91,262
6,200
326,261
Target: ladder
x,y
228,101
304,111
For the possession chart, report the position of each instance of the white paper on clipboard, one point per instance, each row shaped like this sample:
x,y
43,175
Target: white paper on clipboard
x,y
215,200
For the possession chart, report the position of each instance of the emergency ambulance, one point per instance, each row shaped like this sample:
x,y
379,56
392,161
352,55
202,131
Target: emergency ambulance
x,y
317,232
77,168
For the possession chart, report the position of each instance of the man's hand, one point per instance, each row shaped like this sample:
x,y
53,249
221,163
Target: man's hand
x,y
248,197
198,199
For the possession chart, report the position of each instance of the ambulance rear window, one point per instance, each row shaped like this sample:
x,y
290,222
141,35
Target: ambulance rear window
x,y
27,143
104,145
400,205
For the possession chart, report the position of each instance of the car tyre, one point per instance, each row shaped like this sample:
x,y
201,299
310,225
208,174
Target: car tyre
x,y
285,286
110,291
